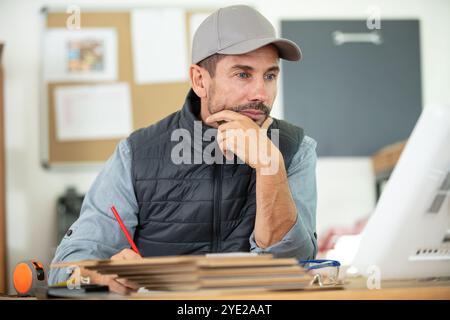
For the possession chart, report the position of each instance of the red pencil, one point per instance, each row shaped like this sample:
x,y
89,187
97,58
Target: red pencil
x,y
125,231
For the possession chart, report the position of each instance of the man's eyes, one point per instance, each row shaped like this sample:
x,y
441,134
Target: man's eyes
x,y
246,75
271,76
243,75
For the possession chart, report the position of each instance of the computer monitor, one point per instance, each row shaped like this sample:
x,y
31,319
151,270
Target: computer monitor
x,y
408,234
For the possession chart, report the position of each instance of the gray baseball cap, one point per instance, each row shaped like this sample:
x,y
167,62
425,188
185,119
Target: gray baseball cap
x,y
237,30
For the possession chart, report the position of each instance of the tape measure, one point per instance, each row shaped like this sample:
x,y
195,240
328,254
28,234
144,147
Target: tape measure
x,y
27,276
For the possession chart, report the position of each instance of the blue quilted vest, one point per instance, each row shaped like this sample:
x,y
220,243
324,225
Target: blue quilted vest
x,y
194,208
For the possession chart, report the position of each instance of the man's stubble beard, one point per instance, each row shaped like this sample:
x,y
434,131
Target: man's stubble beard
x,y
254,105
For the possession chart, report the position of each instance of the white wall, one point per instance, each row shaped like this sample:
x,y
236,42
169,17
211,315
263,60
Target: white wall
x,y
345,185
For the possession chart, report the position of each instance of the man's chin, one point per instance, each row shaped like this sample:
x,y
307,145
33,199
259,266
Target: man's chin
x,y
260,122
257,118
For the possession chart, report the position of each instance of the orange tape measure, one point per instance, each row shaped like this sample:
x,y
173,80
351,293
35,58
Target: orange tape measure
x,y
27,276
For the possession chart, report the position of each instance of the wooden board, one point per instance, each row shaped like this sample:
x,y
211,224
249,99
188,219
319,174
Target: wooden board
x,y
165,260
200,272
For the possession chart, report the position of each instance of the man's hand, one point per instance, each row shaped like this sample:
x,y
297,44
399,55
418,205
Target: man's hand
x,y
240,135
276,212
126,254
120,286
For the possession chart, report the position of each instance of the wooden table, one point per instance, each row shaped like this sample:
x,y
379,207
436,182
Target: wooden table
x,y
354,289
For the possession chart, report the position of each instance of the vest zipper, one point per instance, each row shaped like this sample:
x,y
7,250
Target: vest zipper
x,y
218,175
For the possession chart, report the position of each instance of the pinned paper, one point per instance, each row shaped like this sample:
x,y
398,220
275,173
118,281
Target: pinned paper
x,y
80,55
159,45
93,112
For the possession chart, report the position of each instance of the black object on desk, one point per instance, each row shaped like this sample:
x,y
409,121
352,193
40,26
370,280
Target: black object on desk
x,y
85,291
68,210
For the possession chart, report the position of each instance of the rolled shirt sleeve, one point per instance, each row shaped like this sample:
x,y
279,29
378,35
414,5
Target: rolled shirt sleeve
x,y
96,234
300,241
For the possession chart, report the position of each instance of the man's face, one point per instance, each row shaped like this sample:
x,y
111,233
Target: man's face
x,y
245,83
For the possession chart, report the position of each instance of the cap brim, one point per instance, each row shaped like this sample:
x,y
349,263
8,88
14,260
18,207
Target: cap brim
x,y
287,49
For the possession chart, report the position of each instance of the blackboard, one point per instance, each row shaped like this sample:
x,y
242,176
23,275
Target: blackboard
x,y
358,96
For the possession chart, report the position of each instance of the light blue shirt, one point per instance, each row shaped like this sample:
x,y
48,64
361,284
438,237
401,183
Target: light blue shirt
x,y
97,235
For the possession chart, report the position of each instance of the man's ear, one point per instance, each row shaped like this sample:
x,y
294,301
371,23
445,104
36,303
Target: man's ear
x,y
199,80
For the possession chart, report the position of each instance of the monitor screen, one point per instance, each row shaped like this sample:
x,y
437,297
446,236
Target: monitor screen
x,y
408,235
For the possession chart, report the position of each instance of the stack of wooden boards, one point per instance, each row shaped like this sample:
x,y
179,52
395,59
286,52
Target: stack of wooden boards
x,y
184,273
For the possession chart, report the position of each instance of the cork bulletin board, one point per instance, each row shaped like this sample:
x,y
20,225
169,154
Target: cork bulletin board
x,y
150,102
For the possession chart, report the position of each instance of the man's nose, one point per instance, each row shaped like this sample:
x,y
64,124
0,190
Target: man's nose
x,y
259,91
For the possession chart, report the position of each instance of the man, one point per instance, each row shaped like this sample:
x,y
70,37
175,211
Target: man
x,y
265,202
